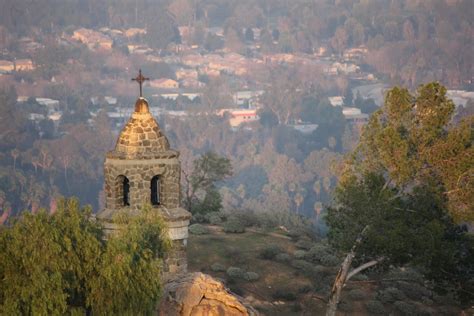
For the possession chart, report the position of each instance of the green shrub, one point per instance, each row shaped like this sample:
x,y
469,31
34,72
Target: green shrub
x,y
344,306
304,244
390,295
329,260
375,307
233,225
217,267
282,257
284,294
269,252
360,277
406,274
251,276
302,265
318,251
235,273
413,290
198,218
198,229
356,294
406,308
299,254
214,218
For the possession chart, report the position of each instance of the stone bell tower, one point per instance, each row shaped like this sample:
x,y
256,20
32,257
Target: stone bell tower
x,y
142,169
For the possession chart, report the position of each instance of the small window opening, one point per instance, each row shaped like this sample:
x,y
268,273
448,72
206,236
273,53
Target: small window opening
x,y
126,192
155,190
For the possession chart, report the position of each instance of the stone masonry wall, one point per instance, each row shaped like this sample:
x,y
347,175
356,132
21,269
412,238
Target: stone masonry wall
x,y
176,261
139,173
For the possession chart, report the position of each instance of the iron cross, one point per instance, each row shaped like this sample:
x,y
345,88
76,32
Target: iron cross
x,y
140,79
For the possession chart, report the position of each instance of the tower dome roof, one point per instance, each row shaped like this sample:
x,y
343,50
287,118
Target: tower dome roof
x,y
141,137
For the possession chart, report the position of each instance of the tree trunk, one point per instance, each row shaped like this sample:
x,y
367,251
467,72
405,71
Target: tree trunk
x,y
341,277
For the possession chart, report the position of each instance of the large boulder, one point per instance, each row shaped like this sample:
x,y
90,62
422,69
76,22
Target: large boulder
x,y
196,294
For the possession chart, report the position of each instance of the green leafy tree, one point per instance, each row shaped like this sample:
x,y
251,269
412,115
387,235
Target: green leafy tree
x,y
392,203
207,171
60,264
128,279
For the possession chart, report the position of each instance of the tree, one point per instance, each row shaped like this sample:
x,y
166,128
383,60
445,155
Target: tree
x,y
162,30
392,203
207,171
249,36
60,264
411,141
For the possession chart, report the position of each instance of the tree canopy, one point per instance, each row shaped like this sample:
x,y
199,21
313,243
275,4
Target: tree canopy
x,y
59,263
209,169
397,188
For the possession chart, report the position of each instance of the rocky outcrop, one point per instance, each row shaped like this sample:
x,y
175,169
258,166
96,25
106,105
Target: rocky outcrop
x,y
199,294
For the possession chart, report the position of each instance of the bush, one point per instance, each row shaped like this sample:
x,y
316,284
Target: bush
x,y
318,251
235,273
299,254
282,257
270,252
405,308
356,294
329,260
375,307
360,277
345,306
233,225
413,290
214,218
251,276
198,218
302,265
284,294
304,244
198,229
217,267
390,295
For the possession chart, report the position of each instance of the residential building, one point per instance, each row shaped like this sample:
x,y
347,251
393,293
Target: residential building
x,y
164,83
6,66
24,65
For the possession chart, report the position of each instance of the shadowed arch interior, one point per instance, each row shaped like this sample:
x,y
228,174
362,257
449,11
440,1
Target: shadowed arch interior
x,y
155,190
122,191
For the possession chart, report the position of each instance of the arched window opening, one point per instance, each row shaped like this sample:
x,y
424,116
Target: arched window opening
x,y
122,191
155,190
126,192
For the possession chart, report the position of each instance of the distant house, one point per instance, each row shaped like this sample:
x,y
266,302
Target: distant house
x,y
239,116
191,83
6,66
209,72
50,104
132,32
240,97
24,65
336,100
305,128
346,68
138,49
93,39
355,53
186,74
164,83
354,115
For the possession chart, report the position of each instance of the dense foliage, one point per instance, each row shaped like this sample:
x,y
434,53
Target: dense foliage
x,y
395,186
59,263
